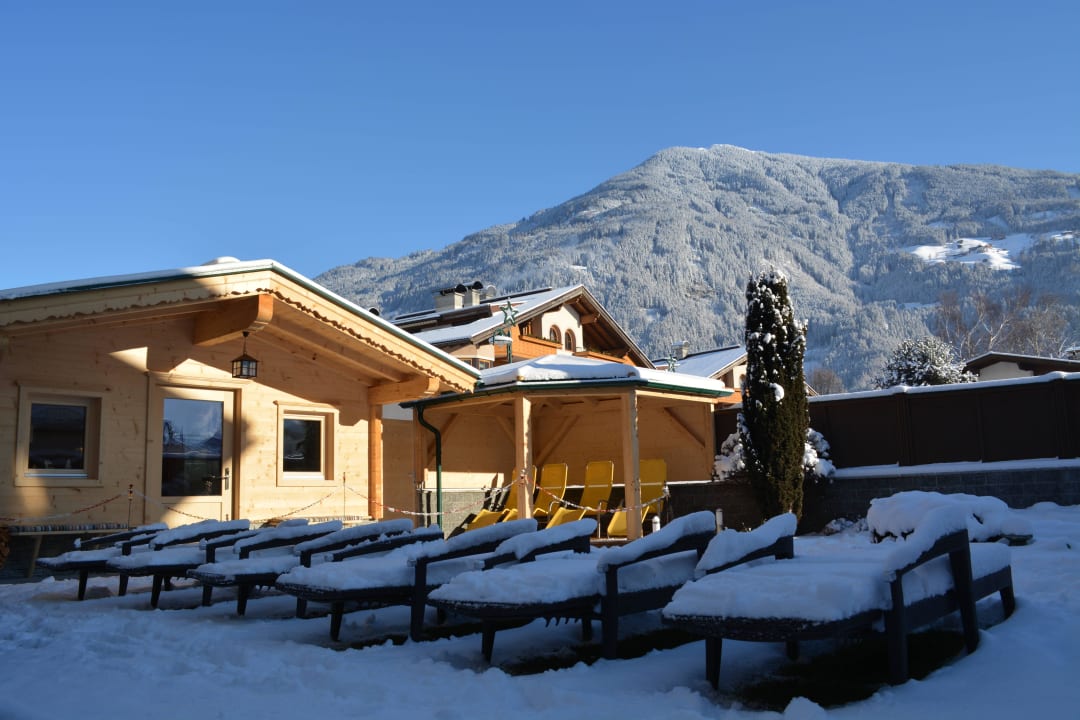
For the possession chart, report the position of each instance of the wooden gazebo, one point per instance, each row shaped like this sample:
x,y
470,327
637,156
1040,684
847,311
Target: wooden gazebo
x,y
562,408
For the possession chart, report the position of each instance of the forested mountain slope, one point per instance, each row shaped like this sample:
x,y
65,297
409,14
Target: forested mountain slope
x,y
669,246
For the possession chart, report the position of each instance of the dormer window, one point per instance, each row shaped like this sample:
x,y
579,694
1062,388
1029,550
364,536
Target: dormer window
x,y
569,341
554,335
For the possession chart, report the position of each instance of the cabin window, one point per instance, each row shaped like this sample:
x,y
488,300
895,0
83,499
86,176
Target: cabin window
x,y
554,335
59,439
306,445
569,341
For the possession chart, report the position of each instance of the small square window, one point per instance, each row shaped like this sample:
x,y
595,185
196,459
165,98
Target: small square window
x,y
306,445
302,448
59,439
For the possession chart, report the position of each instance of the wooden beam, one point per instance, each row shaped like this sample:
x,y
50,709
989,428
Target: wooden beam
x,y
523,453
686,428
396,392
445,432
564,427
232,318
375,463
506,426
631,468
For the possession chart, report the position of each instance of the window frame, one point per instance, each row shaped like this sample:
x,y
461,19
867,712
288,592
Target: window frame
x,y
90,474
569,341
328,417
555,335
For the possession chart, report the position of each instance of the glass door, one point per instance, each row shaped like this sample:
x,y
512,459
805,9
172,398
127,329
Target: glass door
x,y
190,467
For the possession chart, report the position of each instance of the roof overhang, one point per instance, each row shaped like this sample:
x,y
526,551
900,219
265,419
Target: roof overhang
x,y
227,299
558,375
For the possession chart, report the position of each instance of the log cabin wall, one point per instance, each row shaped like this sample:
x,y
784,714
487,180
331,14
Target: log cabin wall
x,y
126,367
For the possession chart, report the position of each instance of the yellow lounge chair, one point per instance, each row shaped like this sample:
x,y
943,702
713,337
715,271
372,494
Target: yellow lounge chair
x,y
653,474
508,511
599,476
551,491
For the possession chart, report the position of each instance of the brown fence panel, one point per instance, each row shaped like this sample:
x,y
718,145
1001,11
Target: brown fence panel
x,y
986,422
1019,422
868,430
944,427
1070,432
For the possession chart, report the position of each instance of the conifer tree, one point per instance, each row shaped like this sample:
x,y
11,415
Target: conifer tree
x,y
775,416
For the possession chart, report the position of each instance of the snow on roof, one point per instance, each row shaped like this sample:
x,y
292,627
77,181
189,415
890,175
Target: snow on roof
x,y
523,304
924,389
228,266
219,266
706,364
571,369
989,358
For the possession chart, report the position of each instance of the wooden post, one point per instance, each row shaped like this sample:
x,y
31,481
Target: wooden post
x,y
420,463
375,463
631,465
523,454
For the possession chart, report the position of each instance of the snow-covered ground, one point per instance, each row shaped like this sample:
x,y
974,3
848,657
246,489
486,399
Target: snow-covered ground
x,y
999,253
113,657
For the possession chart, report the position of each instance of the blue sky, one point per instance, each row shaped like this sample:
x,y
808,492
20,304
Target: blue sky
x,y
142,136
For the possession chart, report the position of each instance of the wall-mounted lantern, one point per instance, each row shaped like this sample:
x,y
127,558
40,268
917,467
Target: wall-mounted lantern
x,y
245,366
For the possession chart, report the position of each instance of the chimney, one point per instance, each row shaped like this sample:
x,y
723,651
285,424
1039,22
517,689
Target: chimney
x,y
474,293
450,298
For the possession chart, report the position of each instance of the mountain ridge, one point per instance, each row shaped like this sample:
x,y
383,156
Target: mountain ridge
x,y
669,245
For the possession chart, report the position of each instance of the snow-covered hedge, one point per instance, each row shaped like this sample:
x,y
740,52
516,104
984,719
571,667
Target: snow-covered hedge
x,y
816,461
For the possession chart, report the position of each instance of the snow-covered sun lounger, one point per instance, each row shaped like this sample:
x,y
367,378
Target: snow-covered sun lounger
x,y
402,576
356,542
897,584
606,583
171,553
292,546
93,555
259,560
989,519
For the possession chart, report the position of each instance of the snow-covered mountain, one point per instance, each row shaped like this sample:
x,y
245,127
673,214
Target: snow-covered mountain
x,y
669,246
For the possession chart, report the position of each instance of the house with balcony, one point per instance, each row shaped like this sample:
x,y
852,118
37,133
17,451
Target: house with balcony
x,y
483,328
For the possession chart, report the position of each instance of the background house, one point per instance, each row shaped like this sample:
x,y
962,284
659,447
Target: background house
x,y
1000,366
726,364
473,323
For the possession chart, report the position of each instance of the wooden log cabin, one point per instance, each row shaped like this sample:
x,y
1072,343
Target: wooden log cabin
x,y
120,403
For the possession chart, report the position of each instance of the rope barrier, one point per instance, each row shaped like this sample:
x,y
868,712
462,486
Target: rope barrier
x,y
23,521
171,508
503,491
391,508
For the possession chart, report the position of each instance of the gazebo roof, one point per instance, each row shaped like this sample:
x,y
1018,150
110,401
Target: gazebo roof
x,y
570,373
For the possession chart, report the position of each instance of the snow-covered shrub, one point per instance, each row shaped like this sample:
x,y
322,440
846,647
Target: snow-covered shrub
x,y
816,461
925,361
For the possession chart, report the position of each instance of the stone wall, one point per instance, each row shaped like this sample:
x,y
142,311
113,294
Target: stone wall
x,y
849,495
